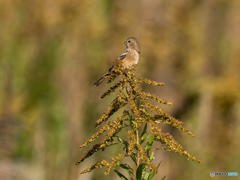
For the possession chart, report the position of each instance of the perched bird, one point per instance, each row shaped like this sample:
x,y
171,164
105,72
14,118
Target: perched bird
x,y
127,59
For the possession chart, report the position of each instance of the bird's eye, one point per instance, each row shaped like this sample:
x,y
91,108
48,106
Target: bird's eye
x,y
128,41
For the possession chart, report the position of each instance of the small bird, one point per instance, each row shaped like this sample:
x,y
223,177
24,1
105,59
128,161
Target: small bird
x,y
127,59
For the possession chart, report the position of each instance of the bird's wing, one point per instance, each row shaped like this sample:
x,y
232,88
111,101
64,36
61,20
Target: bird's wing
x,y
122,56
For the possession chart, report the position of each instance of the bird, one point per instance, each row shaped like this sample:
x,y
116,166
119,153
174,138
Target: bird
x,y
127,59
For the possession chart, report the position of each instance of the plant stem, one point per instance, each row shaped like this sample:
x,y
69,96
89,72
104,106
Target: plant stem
x,y
137,139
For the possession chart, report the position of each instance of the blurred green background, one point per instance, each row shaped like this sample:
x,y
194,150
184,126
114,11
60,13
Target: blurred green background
x,y
52,51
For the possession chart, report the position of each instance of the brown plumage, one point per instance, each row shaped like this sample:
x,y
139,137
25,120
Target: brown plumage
x,y
127,59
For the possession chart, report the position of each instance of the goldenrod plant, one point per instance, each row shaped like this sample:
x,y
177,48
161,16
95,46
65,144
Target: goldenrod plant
x,y
135,130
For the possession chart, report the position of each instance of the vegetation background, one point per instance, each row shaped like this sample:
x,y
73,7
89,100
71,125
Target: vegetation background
x,y
52,51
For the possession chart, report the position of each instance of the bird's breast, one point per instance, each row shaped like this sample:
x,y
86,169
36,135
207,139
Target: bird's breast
x,y
132,58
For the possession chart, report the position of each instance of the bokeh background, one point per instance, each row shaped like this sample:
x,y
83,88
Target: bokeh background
x,y
52,51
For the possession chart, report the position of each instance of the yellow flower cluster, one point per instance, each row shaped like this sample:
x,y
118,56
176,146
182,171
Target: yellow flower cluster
x,y
170,143
95,166
155,98
143,158
110,126
150,82
113,163
138,115
116,104
131,142
112,89
165,118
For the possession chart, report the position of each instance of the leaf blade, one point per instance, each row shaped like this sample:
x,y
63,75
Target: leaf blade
x,y
139,172
120,175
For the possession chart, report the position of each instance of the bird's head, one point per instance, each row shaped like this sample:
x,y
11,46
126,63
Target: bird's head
x,y
132,43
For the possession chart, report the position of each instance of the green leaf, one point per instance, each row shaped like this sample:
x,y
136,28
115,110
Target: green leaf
x,y
151,175
120,175
133,157
146,175
143,134
133,124
152,156
155,172
144,130
119,139
126,167
143,138
149,143
140,170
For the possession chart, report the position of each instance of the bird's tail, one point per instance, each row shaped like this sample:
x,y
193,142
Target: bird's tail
x,y
99,81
